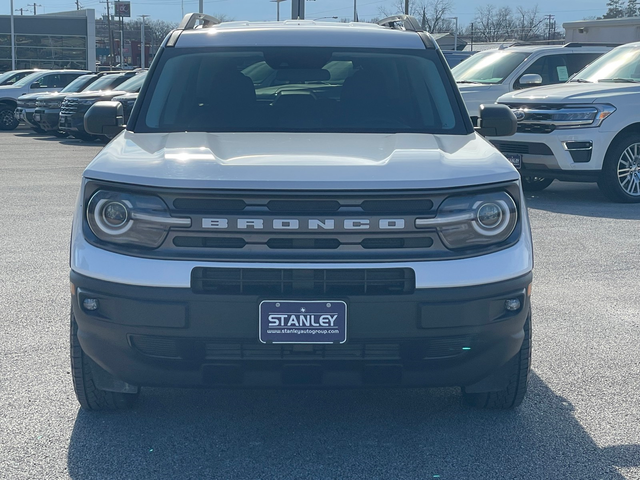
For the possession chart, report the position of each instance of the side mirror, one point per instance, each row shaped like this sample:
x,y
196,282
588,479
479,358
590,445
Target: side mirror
x,y
530,80
104,118
496,121
35,85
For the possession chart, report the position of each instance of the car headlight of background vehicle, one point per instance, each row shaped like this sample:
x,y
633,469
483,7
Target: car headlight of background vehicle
x,y
469,221
130,219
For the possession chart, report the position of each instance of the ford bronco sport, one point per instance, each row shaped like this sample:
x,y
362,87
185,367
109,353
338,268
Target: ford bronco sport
x,y
300,204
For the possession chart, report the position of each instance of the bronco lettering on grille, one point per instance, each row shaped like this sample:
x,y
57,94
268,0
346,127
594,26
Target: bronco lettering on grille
x,y
295,224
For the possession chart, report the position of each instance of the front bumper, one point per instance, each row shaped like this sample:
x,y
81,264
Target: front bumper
x,y
47,119
26,115
174,337
550,155
71,122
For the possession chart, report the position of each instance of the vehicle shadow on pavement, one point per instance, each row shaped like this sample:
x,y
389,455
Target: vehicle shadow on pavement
x,y
43,137
339,434
584,199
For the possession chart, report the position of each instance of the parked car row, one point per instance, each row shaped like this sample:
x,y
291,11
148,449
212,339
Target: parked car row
x,y
69,94
580,124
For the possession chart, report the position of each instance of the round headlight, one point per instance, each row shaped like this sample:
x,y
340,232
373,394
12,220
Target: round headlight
x,y
489,215
115,214
112,217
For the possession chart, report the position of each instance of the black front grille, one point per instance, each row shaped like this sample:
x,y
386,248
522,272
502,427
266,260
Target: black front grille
x,y
349,351
535,128
209,350
340,282
532,148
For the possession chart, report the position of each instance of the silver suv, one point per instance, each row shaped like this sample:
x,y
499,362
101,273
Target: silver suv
x,y
300,204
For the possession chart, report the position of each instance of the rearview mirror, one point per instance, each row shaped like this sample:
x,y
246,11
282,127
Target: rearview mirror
x,y
104,118
496,121
35,85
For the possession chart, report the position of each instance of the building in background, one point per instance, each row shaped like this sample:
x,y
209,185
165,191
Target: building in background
x,y
55,40
611,30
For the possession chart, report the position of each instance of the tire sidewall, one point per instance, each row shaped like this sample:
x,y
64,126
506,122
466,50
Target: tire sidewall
x,y
609,183
4,126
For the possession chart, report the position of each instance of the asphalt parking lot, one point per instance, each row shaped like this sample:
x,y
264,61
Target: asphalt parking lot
x,y
581,419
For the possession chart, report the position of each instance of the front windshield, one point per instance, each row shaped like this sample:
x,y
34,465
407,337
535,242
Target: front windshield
x,y
107,82
621,64
28,79
78,84
134,84
488,67
287,89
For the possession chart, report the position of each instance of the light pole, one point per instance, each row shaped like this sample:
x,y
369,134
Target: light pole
x,y
455,34
13,41
277,2
355,10
143,63
201,6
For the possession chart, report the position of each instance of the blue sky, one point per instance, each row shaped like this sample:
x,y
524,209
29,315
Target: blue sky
x,y
265,10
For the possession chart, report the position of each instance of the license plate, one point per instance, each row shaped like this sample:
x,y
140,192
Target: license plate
x,y
303,321
515,159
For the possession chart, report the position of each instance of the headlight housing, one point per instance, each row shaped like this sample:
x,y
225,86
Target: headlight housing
x,y
469,221
130,219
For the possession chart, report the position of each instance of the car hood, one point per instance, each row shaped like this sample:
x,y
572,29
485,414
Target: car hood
x,y
571,93
34,96
300,161
96,94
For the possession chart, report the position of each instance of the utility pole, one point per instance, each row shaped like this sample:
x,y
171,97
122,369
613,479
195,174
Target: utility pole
x,y
355,10
20,10
13,41
35,7
549,20
201,6
77,4
472,36
111,46
297,9
406,7
143,63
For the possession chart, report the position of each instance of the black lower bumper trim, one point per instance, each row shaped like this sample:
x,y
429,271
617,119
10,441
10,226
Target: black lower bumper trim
x,y
174,337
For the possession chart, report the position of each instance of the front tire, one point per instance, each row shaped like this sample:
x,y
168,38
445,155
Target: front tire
x,y
535,184
88,395
512,396
7,118
620,177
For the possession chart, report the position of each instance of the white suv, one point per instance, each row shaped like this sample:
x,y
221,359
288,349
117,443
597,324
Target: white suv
x,y
585,130
332,220
492,73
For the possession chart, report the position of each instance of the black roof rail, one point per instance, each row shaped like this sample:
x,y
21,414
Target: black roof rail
x,y
591,44
408,22
190,21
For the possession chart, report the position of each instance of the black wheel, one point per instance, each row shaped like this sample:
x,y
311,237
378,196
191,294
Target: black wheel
x,y
516,389
89,396
7,118
535,184
620,177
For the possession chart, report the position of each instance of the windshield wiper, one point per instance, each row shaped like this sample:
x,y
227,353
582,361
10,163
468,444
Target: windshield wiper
x,y
471,81
618,80
580,80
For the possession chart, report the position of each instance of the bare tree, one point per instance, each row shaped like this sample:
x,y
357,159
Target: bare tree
x,y
529,23
430,13
494,24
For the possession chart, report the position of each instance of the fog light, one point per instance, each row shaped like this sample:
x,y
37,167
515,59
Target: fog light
x,y
90,304
512,304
